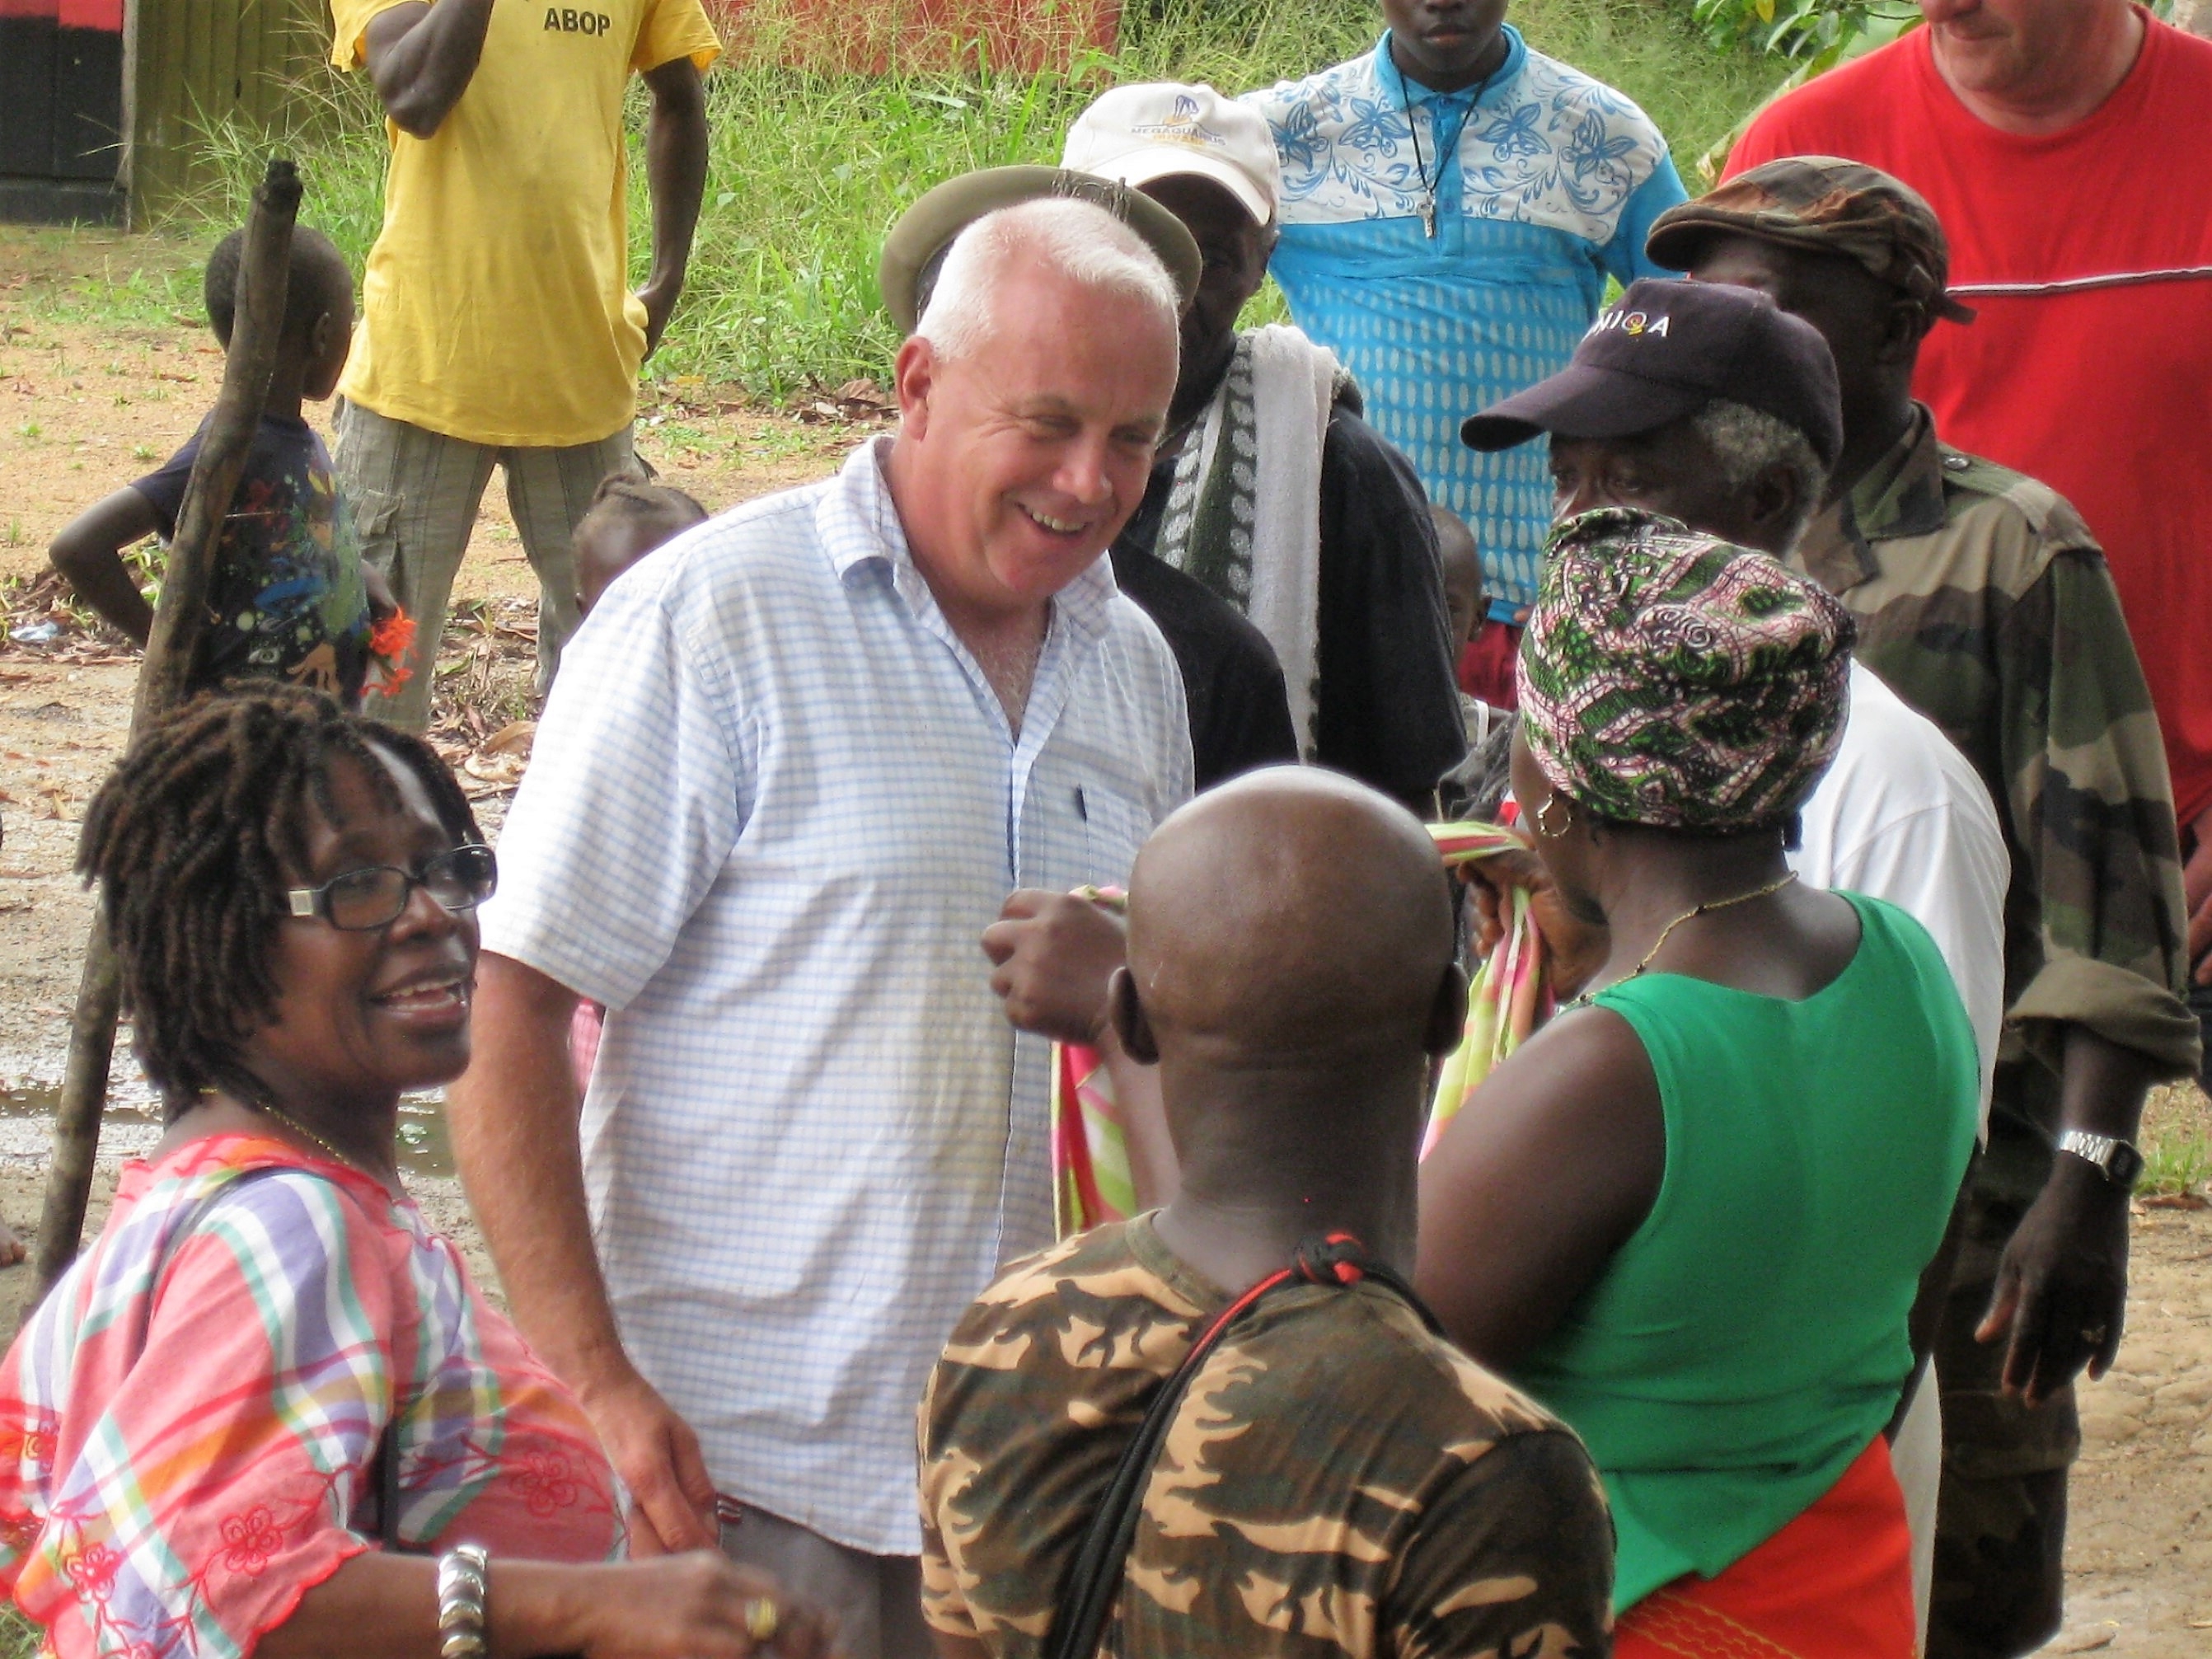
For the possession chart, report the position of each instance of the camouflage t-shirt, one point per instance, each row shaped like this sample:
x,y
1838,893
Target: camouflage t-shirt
x,y
1337,1480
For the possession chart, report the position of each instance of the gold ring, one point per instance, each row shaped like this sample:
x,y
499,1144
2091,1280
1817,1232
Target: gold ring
x,y
762,1619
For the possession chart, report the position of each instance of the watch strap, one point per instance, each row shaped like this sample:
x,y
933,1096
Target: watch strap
x,y
2117,1160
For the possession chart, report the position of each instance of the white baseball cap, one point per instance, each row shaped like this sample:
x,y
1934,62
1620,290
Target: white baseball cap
x,y
1136,134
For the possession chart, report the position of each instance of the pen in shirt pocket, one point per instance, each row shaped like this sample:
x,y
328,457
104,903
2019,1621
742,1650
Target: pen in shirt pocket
x,y
728,1511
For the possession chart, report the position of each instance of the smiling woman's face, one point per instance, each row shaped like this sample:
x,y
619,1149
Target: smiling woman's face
x,y
362,1015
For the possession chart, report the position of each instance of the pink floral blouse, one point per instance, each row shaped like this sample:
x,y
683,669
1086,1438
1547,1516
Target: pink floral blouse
x,y
188,1426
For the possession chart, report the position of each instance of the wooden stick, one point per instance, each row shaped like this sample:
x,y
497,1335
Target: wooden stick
x,y
164,680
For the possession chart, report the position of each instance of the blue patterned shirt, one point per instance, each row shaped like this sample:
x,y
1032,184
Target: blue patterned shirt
x,y
773,805
1548,190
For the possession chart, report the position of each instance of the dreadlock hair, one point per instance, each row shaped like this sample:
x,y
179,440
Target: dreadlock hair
x,y
194,838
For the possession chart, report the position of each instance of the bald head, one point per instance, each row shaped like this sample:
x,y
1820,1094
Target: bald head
x,y
1291,914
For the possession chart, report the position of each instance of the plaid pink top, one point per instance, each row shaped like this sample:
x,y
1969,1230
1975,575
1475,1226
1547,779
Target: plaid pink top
x,y
188,1426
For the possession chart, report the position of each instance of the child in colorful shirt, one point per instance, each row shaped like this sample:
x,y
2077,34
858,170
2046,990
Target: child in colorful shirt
x,y
291,598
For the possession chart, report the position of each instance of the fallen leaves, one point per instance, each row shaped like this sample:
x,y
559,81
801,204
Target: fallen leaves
x,y
512,738
853,402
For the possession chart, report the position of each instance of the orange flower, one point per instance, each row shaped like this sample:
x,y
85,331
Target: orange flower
x,y
392,638
389,642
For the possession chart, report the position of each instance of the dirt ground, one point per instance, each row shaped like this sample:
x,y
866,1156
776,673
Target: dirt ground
x,y
85,407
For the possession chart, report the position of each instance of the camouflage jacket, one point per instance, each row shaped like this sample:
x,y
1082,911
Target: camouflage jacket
x,y
1985,603
1337,1481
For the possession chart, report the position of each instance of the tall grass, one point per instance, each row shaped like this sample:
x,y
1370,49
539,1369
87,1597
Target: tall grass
x,y
809,169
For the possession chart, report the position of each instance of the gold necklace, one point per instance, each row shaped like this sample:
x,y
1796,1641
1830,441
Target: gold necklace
x,y
1690,915
300,1128
295,1127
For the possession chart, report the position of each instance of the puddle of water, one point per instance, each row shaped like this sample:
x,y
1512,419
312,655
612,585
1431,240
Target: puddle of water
x,y
132,1125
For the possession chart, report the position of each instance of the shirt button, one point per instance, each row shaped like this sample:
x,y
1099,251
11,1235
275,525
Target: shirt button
x,y
1956,463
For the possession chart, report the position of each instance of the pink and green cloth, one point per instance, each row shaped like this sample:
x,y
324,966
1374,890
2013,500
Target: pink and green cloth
x,y
189,1423
1509,999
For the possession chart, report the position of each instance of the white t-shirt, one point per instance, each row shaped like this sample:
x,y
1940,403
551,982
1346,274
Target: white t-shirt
x,y
1903,816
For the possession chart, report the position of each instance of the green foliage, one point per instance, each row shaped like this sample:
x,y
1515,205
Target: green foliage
x,y
19,1637
2176,1159
1802,30
809,169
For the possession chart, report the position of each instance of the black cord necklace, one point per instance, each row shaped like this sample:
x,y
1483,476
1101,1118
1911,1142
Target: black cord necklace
x,y
1427,208
1421,164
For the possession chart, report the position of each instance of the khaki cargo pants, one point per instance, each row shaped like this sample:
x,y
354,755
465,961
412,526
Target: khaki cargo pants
x,y
413,495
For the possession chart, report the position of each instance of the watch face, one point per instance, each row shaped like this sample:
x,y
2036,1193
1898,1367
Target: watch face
x,y
2125,1165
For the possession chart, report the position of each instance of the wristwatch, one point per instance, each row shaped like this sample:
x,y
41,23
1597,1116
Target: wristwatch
x,y
2116,1160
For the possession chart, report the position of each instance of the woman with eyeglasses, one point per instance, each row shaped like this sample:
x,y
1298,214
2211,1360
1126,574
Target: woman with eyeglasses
x,y
268,1411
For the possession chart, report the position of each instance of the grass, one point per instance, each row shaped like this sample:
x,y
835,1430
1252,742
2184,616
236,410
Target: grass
x,y
809,169
2177,1140
19,1637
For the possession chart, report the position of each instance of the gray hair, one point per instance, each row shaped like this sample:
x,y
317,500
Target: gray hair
x,y
1077,240
1747,441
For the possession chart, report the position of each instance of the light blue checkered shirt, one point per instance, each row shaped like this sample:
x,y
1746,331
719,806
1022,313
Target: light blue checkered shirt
x,y
772,807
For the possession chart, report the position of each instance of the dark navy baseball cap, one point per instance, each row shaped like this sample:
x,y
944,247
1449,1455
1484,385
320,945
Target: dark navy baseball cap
x,y
1664,352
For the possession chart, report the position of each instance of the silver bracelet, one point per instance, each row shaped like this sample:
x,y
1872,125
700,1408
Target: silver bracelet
x,y
464,1582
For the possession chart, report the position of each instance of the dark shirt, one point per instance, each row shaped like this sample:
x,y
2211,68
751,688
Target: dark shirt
x,y
1239,716
1387,704
286,600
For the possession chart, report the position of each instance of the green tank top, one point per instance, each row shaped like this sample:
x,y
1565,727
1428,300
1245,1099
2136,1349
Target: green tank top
x,y
1749,1339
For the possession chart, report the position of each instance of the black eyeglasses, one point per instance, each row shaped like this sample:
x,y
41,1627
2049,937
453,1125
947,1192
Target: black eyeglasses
x,y
360,900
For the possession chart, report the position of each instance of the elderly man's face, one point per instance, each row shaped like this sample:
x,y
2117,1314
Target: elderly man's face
x,y
1995,46
1034,448
1670,470
1234,250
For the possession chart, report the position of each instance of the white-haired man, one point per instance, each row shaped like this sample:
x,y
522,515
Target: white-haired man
x,y
792,766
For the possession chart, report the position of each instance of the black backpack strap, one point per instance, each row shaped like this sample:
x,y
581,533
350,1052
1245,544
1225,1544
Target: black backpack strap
x,y
1094,1582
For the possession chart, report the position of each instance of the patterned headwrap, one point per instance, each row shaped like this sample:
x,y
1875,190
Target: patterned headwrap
x,y
1674,679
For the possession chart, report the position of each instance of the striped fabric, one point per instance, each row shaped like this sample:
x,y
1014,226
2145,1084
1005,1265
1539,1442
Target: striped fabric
x,y
1548,190
187,1425
773,805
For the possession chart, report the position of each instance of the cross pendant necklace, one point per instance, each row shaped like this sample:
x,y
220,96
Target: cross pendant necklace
x,y
1428,204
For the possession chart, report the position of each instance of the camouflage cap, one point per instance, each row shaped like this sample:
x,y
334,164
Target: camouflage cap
x,y
1824,204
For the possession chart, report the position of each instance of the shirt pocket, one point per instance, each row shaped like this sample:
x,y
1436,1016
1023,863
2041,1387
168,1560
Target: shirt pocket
x,y
1114,825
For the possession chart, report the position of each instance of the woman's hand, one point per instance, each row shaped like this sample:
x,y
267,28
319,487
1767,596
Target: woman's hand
x,y
381,1605
698,1606
1575,949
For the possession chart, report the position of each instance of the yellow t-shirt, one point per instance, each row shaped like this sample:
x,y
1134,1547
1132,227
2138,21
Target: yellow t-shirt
x,y
497,306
